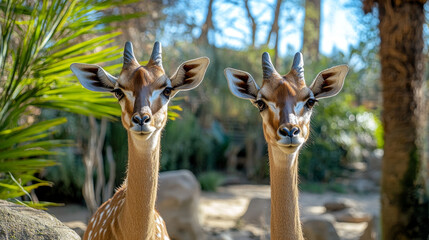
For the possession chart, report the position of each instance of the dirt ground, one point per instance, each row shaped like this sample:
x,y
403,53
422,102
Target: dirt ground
x,y
221,210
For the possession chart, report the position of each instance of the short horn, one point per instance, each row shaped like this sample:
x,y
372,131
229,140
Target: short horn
x,y
298,65
129,57
156,57
267,67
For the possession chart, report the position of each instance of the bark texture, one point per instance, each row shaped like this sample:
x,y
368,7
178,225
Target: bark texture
x,y
404,198
310,45
275,30
207,26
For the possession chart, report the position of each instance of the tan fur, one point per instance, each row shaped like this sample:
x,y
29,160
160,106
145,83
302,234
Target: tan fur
x,y
285,91
143,93
285,111
130,213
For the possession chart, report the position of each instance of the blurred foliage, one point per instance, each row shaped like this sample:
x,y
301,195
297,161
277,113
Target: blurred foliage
x,y
38,44
344,128
187,145
340,134
210,181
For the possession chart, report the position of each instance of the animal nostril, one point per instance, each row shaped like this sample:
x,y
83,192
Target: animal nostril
x,y
284,131
137,120
294,132
146,119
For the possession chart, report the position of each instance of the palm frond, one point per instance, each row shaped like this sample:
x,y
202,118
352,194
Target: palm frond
x,y
37,46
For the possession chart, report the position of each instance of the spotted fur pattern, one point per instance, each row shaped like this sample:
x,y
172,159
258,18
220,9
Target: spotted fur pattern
x,y
104,223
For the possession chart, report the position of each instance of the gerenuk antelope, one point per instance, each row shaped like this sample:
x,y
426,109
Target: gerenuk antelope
x,y
143,92
285,104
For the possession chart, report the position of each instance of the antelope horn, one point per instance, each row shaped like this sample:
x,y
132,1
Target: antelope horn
x,y
298,65
267,67
129,57
156,57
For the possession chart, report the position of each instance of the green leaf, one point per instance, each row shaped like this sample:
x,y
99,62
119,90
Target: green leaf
x,y
39,205
37,45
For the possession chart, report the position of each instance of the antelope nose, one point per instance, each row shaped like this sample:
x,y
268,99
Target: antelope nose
x,y
141,120
285,131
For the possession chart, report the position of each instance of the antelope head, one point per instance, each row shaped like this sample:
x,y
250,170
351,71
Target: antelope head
x,y
143,92
285,102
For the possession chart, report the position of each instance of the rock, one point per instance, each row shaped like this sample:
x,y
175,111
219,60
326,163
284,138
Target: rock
x,y
357,166
77,226
336,206
351,216
319,228
236,235
258,212
21,222
363,185
372,231
177,202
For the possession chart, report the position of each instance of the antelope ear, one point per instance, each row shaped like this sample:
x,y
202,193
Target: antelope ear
x,y
329,82
190,74
93,77
241,84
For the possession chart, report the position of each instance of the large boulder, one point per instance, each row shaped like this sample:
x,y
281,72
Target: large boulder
x,y
333,206
319,228
21,222
351,216
258,212
177,202
372,231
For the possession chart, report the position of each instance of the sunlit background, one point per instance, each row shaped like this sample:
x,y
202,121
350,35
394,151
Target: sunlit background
x,y
68,135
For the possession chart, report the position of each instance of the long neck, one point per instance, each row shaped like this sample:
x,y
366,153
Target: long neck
x,y
285,221
137,219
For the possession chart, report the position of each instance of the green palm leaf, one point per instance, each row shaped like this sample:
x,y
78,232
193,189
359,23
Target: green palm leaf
x,y
37,46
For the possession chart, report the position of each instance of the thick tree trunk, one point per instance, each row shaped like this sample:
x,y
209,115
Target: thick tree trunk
x,y
311,36
404,199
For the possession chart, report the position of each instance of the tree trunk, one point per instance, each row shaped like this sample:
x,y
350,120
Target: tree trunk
x,y
96,193
311,36
208,25
404,198
275,30
252,21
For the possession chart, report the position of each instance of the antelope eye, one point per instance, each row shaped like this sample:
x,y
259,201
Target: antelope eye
x,y
167,92
261,105
118,93
310,102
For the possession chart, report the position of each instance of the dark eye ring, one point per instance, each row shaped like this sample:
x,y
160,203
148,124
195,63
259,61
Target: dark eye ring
x,y
310,102
167,92
118,93
261,105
